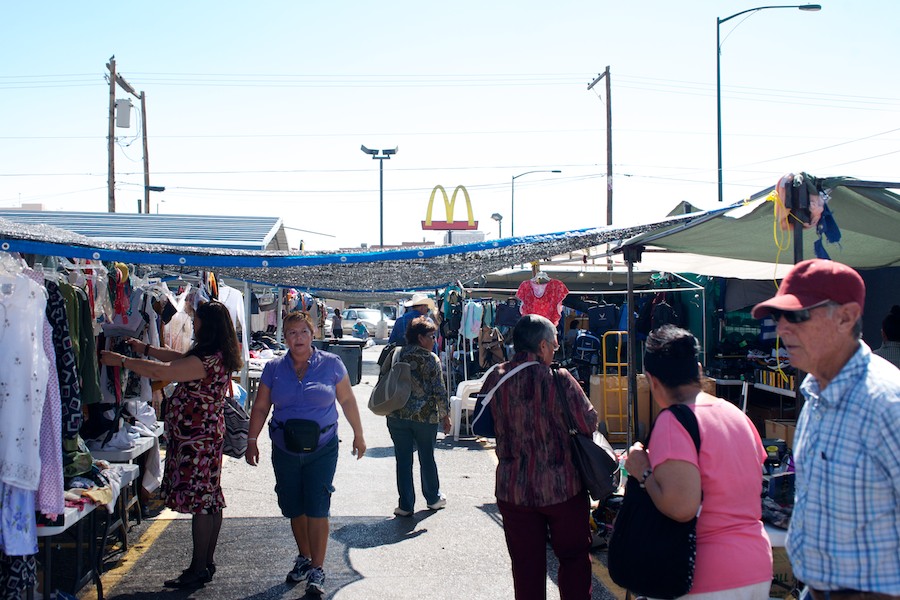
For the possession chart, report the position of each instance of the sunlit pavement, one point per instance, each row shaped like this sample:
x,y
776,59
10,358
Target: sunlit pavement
x,y
456,552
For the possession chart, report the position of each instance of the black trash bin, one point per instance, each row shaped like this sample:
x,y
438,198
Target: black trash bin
x,y
350,351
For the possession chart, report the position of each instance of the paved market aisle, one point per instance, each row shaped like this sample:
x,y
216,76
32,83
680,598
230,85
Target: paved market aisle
x,y
455,552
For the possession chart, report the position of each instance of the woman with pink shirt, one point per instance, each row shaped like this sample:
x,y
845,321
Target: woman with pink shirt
x,y
734,556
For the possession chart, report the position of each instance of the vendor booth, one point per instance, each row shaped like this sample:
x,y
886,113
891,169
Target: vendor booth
x,y
754,242
749,245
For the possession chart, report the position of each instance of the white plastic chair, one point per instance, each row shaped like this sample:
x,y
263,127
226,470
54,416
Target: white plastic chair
x,y
464,399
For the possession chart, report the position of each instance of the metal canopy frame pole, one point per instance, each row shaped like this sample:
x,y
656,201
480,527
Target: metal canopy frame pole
x,y
245,370
631,255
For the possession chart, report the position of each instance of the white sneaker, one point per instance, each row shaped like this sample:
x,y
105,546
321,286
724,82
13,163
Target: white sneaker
x,y
441,503
402,513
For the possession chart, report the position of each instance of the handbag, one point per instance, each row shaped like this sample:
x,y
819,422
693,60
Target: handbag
x,y
237,424
593,455
393,388
267,301
483,423
649,553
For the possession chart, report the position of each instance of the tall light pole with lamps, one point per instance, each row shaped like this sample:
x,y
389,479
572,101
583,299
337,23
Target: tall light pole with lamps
x,y
807,7
512,206
385,155
499,218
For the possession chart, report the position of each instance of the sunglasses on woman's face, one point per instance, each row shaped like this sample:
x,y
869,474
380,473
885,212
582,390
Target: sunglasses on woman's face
x,y
795,316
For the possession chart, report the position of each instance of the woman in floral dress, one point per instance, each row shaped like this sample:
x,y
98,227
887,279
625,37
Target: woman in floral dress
x,y
195,427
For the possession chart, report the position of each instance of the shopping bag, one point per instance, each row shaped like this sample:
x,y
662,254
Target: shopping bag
x,y
483,422
649,553
593,455
237,424
393,388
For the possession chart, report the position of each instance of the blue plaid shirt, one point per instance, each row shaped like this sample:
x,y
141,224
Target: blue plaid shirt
x,y
845,530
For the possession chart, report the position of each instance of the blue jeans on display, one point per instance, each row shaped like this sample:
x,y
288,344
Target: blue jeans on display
x,y
409,436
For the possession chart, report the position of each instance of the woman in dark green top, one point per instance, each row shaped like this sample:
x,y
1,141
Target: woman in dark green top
x,y
415,426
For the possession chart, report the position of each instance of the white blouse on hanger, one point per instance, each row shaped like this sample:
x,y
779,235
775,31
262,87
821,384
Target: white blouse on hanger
x,y
24,369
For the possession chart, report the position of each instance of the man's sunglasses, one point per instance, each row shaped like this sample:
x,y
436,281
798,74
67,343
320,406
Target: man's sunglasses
x,y
795,316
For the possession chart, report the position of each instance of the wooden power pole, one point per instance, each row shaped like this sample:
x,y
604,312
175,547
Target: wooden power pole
x,y
114,79
146,159
111,140
609,164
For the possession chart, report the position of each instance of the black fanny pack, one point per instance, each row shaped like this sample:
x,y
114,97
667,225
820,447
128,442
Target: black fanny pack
x,y
301,435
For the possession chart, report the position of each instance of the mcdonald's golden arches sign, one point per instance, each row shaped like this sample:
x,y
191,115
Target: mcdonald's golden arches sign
x,y
449,204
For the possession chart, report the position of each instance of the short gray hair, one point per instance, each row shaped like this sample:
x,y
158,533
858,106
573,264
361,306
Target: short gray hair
x,y
857,327
530,331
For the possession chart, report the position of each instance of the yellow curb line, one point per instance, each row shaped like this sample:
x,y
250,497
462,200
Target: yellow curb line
x,y
112,577
602,574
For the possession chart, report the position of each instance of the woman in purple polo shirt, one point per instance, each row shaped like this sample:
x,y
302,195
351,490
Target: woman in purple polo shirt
x,y
303,386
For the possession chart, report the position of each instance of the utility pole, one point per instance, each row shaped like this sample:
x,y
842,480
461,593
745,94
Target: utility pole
x,y
609,164
146,159
111,140
115,78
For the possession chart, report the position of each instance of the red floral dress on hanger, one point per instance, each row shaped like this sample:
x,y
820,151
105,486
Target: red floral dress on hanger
x,y
544,299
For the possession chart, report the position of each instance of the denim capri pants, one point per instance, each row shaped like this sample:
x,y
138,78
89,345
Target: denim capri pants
x,y
303,482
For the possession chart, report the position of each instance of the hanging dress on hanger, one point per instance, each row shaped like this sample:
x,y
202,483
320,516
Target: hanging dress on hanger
x,y
544,299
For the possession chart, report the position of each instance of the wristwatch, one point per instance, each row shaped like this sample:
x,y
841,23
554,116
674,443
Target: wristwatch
x,y
647,473
123,362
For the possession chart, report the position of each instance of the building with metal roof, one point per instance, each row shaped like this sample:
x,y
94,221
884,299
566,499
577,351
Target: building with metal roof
x,y
209,231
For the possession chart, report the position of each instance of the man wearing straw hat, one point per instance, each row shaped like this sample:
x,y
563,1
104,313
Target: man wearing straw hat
x,y
418,305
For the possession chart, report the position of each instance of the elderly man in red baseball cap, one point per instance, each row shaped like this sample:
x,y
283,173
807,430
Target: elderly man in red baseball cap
x,y
843,541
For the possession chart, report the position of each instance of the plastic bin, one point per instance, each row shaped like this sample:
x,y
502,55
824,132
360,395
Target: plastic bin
x,y
350,352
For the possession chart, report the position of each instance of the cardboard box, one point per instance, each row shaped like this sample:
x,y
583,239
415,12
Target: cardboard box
x,y
609,395
759,413
596,396
782,429
782,575
707,384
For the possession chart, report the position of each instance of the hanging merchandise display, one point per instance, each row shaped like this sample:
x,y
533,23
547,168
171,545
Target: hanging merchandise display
x,y
542,296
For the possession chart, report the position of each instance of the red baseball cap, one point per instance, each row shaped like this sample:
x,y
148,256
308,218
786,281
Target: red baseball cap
x,y
812,282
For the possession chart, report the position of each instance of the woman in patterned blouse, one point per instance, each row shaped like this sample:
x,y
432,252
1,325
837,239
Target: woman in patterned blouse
x,y
415,426
539,490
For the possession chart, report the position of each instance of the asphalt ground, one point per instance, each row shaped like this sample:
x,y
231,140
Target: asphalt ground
x,y
457,552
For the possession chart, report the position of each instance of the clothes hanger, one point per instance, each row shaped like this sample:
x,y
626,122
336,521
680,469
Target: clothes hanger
x,y
11,264
541,277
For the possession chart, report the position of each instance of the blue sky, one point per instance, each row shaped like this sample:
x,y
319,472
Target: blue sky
x,y
260,108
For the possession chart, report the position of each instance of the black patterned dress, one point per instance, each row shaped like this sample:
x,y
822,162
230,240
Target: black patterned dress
x,y
195,430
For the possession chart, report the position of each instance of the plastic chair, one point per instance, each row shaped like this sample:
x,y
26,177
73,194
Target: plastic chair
x,y
464,399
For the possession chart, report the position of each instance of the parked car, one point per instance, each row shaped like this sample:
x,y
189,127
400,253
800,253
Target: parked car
x,y
368,317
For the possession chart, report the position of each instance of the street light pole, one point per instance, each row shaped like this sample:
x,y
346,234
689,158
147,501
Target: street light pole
x,y
499,218
805,7
385,155
512,207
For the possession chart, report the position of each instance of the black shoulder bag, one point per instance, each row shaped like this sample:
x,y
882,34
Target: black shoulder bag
x,y
594,457
649,553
